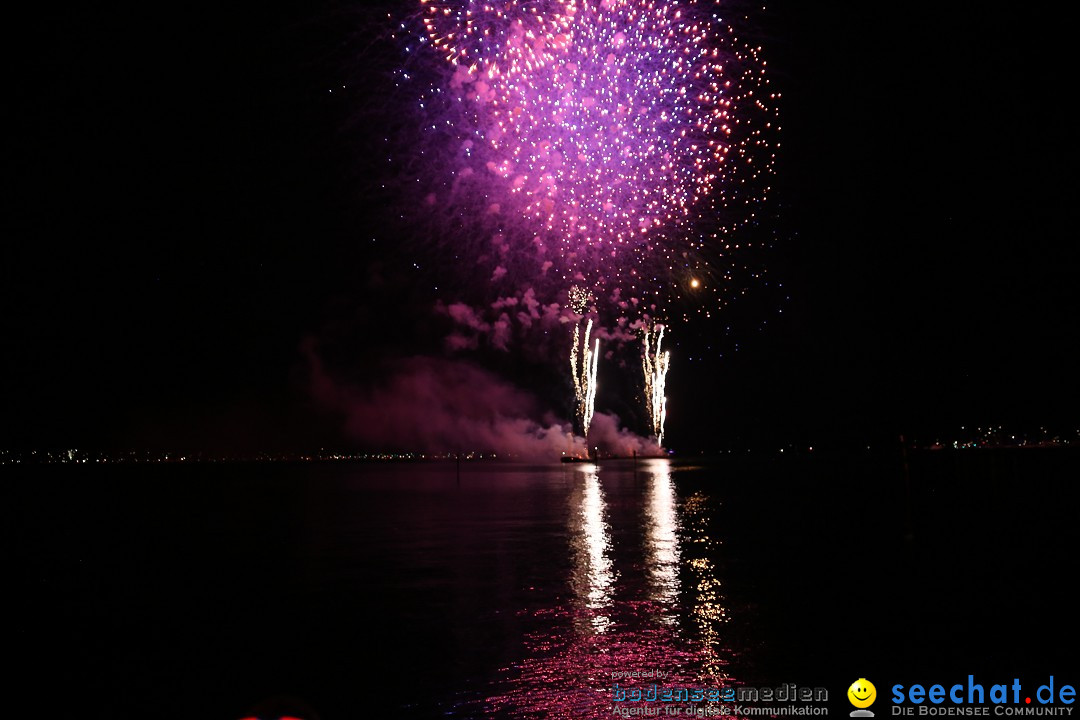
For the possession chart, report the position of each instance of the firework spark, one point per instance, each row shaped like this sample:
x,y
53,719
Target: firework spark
x,y
478,33
579,299
655,363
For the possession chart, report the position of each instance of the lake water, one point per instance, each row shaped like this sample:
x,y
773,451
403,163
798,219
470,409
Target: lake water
x,y
415,590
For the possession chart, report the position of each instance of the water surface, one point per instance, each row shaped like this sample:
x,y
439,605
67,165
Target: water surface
x,y
511,590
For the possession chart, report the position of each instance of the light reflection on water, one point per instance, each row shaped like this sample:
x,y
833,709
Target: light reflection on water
x,y
659,611
662,539
708,611
593,576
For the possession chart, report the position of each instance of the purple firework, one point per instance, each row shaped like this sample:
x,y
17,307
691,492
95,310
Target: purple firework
x,y
615,144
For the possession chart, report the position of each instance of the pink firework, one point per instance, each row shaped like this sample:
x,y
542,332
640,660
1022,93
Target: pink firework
x,y
616,144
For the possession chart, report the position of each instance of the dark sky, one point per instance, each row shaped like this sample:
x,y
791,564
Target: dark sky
x,y
187,202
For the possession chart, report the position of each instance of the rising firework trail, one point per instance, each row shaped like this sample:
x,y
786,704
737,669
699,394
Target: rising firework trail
x,y
583,361
655,363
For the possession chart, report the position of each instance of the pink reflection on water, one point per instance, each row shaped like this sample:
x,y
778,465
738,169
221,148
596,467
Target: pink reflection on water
x,y
571,667
593,577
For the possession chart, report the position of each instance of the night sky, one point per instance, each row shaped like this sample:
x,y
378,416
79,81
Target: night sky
x,y
194,196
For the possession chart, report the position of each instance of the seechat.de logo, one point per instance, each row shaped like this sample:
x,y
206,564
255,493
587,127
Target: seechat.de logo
x,y
976,698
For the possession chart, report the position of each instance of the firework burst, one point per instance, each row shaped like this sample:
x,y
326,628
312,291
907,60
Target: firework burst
x,y
479,33
612,148
611,143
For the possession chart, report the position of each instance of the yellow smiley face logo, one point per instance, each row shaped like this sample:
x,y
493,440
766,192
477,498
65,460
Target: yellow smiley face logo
x,y
862,693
